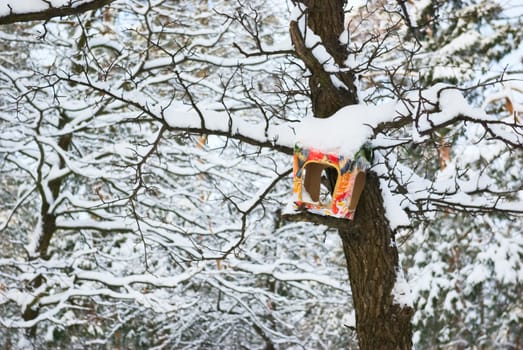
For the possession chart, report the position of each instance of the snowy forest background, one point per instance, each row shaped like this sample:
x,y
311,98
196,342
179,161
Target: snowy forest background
x,y
145,165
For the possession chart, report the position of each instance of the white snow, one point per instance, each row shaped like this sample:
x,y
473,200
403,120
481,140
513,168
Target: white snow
x,y
34,238
470,154
393,211
277,271
110,280
349,319
345,131
19,297
464,40
29,6
42,57
401,291
415,10
478,274
184,116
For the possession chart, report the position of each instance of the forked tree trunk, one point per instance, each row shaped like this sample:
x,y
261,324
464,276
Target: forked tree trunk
x,y
368,242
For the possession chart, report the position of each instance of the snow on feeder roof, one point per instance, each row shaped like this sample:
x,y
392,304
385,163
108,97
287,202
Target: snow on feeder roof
x,y
346,130
309,192
334,146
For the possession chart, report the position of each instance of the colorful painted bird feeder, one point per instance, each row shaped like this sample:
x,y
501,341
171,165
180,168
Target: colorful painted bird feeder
x,y
314,194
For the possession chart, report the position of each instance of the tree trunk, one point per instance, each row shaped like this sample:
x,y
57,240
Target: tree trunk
x,y
326,19
368,242
372,263
48,225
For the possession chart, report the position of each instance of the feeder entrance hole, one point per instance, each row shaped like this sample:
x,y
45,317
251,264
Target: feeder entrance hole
x,y
320,181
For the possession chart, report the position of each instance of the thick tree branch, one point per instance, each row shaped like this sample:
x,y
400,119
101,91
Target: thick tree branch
x,y
70,9
331,221
330,90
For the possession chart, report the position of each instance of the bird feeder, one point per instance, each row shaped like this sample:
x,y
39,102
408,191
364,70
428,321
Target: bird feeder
x,y
347,175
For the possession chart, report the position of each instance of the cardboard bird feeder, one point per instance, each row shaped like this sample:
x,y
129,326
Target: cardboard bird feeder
x,y
314,193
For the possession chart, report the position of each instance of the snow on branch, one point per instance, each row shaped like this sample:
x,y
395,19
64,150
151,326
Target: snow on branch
x,y
12,11
441,106
277,271
201,119
205,121
448,190
423,112
108,279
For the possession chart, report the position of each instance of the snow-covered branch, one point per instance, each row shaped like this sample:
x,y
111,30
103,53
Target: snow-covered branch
x,y
12,11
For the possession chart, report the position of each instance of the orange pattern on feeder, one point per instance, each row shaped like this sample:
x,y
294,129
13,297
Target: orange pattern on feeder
x,y
309,165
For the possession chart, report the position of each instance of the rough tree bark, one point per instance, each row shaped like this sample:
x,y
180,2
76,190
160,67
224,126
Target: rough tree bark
x,y
368,242
372,263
